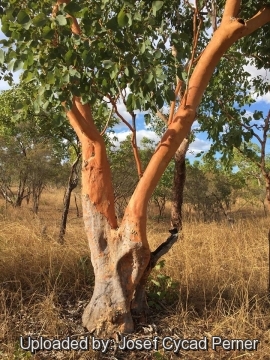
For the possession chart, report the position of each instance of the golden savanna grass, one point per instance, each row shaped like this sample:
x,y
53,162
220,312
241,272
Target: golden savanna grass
x,y
214,283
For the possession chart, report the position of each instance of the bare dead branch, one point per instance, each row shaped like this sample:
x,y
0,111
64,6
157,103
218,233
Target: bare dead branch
x,y
163,249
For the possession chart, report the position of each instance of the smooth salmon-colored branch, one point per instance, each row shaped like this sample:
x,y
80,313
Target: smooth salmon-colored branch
x,y
75,28
231,9
97,186
227,34
196,32
172,107
261,18
121,117
80,118
133,138
135,147
136,155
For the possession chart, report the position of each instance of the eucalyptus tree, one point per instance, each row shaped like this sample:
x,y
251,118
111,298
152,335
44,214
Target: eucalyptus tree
x,y
22,138
253,167
115,50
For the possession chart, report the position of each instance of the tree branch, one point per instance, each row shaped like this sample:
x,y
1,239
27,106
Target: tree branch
x,y
172,107
261,18
225,36
231,9
162,249
107,123
135,147
162,116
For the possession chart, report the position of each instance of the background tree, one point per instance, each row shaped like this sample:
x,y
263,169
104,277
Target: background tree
x,y
30,158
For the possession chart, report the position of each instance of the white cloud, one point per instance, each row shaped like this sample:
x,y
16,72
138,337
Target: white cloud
x,y
265,75
139,135
195,125
254,72
198,145
265,98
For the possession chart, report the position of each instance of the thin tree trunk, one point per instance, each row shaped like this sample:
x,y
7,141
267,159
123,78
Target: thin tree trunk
x,y
72,184
178,185
37,188
267,195
20,193
76,205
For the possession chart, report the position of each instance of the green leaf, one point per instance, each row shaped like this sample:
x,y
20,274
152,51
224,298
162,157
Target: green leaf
x,y
112,23
108,64
2,56
147,119
19,105
9,14
50,78
114,71
184,76
61,19
122,18
23,17
5,29
129,102
18,65
70,57
87,57
142,49
47,33
149,77
28,76
40,20
257,115
30,58
157,54
72,8
155,282
156,5
170,95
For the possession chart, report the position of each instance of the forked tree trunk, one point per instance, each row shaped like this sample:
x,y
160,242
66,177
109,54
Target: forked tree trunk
x,y
121,256
178,185
119,260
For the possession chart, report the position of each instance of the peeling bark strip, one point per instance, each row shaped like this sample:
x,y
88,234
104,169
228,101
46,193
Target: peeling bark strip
x,y
121,257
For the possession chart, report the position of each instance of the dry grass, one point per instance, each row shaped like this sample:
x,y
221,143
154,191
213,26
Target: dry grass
x,y
214,283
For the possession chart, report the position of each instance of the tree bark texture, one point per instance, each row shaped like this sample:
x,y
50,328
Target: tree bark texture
x,y
121,256
178,185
